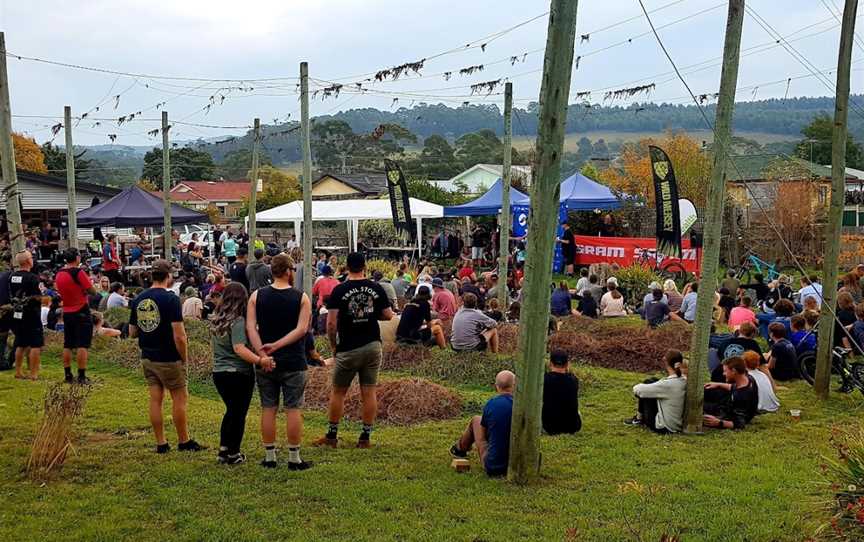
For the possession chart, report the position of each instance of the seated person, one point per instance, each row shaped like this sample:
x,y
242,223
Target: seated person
x,y
811,318
612,302
757,370
857,330
731,404
560,397
514,312
661,402
783,311
649,297
416,325
493,310
745,340
726,302
783,358
101,330
473,330
742,313
587,305
491,432
561,302
656,310
802,339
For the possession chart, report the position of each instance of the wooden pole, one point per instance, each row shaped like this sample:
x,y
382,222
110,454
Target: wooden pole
x,y
253,193
524,462
504,219
835,211
306,149
714,218
7,158
70,179
167,239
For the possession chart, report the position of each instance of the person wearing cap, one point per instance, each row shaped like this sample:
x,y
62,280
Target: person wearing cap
x,y
74,287
193,307
277,321
649,297
378,277
612,302
323,287
443,301
156,320
354,309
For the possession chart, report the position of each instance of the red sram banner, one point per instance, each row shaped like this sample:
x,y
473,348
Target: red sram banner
x,y
626,251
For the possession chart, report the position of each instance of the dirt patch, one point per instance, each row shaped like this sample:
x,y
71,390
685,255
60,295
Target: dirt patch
x,y
625,347
404,401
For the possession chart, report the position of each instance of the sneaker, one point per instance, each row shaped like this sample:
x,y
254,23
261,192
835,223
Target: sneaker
x,y
846,388
302,465
324,441
235,459
457,453
269,464
222,456
163,448
190,446
364,443
634,421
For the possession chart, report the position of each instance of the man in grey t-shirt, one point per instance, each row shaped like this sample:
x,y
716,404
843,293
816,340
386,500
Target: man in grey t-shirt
x,y
473,330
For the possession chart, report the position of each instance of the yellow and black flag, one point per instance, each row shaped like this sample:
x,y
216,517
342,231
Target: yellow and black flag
x,y
399,202
666,199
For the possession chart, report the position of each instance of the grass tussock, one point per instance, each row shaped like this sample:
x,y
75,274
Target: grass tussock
x,y
63,404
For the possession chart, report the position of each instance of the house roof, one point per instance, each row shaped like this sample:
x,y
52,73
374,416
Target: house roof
x,y
497,170
210,191
369,184
753,167
60,182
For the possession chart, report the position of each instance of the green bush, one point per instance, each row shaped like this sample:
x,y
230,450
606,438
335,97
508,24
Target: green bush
x,y
636,278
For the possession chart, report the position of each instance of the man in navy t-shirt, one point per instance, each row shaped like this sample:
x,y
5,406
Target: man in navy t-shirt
x,y
491,432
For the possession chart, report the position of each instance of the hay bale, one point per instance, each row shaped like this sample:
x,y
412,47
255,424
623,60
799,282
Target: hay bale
x,y
404,401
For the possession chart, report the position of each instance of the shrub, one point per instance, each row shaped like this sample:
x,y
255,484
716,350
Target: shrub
x,y
386,267
845,477
635,279
116,317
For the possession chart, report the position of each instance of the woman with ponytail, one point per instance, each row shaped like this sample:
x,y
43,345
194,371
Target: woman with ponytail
x,y
661,402
232,369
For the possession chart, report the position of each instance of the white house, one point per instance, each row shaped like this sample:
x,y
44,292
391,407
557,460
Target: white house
x,y
480,177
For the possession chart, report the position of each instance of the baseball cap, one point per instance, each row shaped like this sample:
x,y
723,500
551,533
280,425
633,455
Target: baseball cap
x,y
326,270
163,266
437,282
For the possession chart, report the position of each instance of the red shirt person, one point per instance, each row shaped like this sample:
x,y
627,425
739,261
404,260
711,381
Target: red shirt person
x,y
443,300
74,287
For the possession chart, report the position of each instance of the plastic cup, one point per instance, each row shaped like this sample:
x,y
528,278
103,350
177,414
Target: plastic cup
x,y
796,414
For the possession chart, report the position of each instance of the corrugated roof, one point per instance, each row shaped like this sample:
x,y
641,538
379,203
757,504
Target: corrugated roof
x,y
755,167
97,189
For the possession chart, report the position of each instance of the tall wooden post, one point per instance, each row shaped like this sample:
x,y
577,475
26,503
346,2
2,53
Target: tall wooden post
x,y
504,219
70,178
714,218
306,149
167,238
835,212
253,194
7,158
524,462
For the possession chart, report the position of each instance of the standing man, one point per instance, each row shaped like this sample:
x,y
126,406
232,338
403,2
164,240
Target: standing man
x,y
26,300
277,321
237,270
258,272
157,322
568,248
49,242
354,309
74,287
478,243
110,260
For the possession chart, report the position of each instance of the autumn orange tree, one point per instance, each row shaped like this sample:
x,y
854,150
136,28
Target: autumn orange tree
x,y
692,166
28,155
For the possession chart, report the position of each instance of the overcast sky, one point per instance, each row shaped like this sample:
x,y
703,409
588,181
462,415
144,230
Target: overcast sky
x,y
346,40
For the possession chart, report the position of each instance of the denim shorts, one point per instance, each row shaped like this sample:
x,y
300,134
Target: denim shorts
x,y
290,385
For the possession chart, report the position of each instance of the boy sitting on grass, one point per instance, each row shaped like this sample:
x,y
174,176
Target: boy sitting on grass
x,y
560,397
661,402
731,404
802,339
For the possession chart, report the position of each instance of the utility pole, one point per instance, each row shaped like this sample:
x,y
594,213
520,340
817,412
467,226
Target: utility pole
x,y
7,158
714,218
167,238
253,194
504,220
306,149
524,462
835,211
70,179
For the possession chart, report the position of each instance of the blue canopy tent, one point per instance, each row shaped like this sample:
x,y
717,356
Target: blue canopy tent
x,y
579,193
489,203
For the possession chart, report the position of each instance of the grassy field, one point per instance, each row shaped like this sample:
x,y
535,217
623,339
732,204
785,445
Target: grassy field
x,y
610,482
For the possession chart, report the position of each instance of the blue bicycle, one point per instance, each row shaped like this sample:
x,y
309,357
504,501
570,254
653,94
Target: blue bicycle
x,y
752,264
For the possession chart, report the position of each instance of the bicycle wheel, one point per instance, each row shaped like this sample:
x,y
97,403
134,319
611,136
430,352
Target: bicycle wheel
x,y
675,271
857,373
807,366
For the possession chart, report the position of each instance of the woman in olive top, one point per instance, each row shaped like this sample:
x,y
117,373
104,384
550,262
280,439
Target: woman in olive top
x,y
233,374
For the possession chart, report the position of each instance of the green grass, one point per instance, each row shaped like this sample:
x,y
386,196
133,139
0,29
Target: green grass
x,y
758,484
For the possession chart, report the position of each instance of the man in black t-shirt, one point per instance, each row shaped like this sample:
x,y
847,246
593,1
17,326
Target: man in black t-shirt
x,y
479,240
568,248
26,302
157,321
237,270
560,397
354,309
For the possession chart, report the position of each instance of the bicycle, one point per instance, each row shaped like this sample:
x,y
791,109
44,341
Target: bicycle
x,y
665,269
850,375
751,263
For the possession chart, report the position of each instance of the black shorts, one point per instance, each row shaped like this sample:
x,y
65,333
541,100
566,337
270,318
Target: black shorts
x,y
419,336
29,335
77,329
